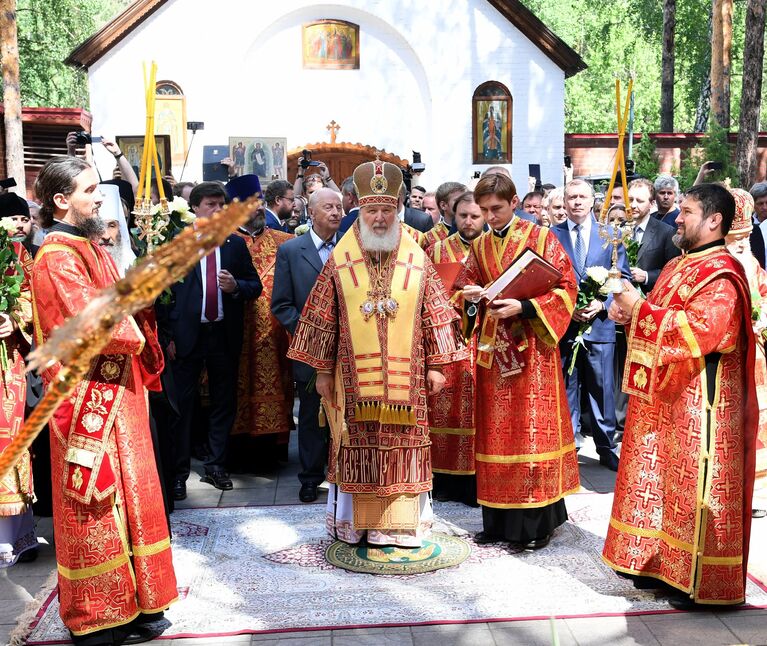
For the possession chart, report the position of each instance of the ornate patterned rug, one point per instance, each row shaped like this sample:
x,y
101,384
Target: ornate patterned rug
x,y
263,569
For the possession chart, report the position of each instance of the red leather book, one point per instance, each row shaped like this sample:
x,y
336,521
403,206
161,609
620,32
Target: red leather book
x,y
448,272
527,277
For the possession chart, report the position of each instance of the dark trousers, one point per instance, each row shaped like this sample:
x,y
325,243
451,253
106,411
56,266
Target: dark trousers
x,y
312,438
592,376
212,352
621,398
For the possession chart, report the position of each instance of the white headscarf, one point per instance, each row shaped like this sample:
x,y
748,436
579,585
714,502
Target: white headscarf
x,y
112,210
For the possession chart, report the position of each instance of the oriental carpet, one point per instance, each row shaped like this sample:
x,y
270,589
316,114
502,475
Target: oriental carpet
x,y
263,569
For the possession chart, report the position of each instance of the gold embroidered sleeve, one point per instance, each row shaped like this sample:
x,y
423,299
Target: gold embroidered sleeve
x,y
316,339
441,330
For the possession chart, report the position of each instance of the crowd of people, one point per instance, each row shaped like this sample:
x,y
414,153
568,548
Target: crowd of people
x,y
368,299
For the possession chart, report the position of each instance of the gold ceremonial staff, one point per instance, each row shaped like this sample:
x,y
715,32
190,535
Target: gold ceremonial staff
x,y
621,231
82,337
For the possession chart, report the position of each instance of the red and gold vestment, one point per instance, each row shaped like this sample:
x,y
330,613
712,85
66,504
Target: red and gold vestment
x,y
112,542
451,411
384,448
436,234
682,508
16,489
525,448
265,397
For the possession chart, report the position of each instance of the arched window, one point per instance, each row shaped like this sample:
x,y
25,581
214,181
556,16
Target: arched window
x,y
170,118
491,124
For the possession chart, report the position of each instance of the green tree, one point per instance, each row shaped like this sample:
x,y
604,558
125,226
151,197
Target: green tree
x,y
715,147
48,31
645,158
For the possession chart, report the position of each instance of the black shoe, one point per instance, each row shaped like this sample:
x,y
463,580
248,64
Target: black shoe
x,y
609,460
758,513
28,556
219,479
179,490
308,492
483,538
686,603
536,544
144,629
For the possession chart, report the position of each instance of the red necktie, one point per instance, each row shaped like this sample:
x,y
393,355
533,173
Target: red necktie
x,y
211,288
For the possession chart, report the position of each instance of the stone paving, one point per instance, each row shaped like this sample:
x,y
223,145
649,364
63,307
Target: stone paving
x,y
19,584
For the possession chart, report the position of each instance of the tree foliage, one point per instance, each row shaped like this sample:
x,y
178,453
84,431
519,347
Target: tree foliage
x,y
615,37
48,31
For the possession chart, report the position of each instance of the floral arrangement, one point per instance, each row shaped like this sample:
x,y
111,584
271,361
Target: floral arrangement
x,y
591,288
301,229
11,275
759,314
163,223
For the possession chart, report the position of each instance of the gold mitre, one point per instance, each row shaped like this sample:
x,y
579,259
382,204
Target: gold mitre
x,y
377,183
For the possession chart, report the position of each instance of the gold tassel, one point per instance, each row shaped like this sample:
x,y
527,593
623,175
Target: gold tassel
x,y
323,419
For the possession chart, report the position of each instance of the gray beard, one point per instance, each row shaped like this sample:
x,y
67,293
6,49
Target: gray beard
x,y
373,242
116,251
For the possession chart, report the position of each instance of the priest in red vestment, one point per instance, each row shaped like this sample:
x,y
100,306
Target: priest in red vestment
x,y
264,419
18,541
525,449
451,411
378,328
112,543
682,509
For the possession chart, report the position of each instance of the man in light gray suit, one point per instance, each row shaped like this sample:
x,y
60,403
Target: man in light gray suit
x,y
299,262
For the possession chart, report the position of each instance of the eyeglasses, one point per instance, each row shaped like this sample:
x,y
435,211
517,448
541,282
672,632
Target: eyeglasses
x,y
285,197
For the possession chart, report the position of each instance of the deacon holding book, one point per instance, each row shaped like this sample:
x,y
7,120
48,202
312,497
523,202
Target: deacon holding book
x,y
525,450
378,328
451,411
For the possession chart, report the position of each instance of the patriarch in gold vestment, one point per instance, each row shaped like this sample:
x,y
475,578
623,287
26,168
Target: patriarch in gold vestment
x,y
525,449
377,326
115,571
682,508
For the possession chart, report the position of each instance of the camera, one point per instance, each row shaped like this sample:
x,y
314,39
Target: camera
x,y
83,138
195,125
307,159
417,166
715,166
7,183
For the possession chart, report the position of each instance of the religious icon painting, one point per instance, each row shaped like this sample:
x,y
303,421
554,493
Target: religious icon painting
x,y
331,44
491,124
262,156
133,149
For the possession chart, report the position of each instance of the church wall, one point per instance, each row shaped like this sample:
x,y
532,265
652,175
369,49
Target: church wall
x,y
419,66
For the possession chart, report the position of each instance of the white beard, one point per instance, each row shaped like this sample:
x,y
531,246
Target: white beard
x,y
116,252
371,241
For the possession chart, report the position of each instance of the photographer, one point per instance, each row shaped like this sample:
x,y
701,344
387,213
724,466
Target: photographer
x,y
75,139
301,187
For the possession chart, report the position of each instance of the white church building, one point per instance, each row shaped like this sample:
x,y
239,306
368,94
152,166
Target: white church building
x,y
467,83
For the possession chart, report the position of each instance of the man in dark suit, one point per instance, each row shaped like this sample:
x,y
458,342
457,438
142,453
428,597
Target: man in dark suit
x,y
350,204
279,204
299,262
419,220
593,375
205,322
656,248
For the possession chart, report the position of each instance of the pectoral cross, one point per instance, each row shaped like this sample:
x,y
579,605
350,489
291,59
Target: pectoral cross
x,y
333,128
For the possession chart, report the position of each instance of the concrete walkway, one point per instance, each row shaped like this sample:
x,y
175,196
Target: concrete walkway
x,y
19,584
